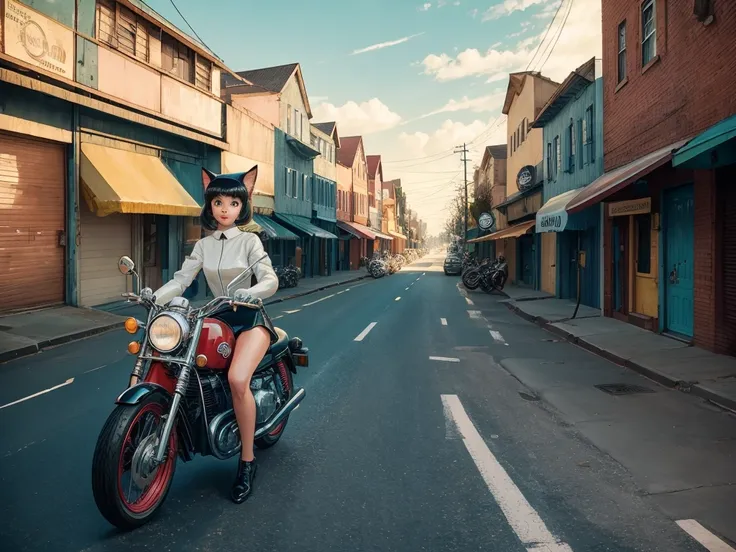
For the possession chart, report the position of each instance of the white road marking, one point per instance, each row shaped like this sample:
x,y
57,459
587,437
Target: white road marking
x,y
406,289
468,301
95,369
292,311
417,279
424,273
397,299
474,314
444,359
67,382
522,518
277,317
318,300
703,536
361,335
443,321
497,337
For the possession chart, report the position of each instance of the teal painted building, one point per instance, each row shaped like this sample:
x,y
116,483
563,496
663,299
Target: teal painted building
x,y
572,122
118,132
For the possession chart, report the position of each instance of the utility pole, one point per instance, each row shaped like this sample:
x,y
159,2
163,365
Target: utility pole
x,y
464,159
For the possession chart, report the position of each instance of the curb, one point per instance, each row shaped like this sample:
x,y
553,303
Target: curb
x,y
27,350
697,389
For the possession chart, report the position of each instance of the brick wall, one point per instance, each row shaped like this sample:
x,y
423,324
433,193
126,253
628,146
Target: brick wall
x,y
687,89
704,271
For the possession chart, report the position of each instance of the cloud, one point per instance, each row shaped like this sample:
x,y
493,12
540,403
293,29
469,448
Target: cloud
x,y
431,183
507,7
490,102
382,45
353,118
473,13
579,41
425,7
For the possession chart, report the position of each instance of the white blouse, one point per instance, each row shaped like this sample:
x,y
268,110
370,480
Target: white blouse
x,y
223,256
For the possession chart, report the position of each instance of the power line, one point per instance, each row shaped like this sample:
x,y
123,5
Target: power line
x,y
559,34
464,151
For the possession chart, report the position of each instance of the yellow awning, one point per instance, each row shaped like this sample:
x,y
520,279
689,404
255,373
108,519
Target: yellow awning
x,y
119,181
397,235
510,232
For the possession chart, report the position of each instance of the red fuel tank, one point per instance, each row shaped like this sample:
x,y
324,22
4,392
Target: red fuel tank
x,y
217,343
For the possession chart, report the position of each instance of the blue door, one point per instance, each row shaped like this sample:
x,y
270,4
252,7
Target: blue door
x,y
678,259
526,259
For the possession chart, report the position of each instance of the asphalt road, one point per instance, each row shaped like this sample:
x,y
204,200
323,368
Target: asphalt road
x,y
413,438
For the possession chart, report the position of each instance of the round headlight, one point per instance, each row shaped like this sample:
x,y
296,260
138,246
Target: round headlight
x,y
166,333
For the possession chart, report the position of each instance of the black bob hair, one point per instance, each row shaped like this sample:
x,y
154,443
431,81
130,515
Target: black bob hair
x,y
238,185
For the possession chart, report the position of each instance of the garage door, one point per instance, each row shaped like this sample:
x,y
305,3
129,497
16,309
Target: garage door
x,y
104,240
32,207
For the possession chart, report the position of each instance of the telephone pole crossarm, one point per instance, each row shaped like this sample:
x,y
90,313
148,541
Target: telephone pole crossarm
x,y
464,150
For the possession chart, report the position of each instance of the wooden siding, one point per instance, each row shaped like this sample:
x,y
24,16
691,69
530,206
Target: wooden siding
x,y
251,140
575,110
284,157
324,198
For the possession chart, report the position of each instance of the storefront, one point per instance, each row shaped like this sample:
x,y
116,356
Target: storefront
x,y
360,237
574,269
648,211
312,241
712,158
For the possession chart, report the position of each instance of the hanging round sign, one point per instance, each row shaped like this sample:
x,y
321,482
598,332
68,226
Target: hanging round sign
x,y
485,221
525,178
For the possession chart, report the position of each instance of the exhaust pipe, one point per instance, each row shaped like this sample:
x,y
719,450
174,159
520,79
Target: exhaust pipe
x,y
283,413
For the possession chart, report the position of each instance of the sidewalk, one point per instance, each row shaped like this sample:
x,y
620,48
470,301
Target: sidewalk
x,y
665,360
29,332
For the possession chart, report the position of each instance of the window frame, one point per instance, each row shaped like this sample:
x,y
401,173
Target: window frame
x,y
645,5
621,70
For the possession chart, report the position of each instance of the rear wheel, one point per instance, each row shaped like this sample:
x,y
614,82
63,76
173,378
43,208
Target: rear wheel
x,y
128,488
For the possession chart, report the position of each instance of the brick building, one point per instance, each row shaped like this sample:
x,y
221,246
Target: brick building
x,y
670,213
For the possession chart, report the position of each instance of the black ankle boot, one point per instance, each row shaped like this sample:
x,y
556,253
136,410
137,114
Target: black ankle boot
x,y
243,481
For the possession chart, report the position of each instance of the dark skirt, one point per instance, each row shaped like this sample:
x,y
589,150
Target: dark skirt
x,y
245,319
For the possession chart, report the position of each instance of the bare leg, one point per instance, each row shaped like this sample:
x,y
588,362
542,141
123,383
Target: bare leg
x,y
250,349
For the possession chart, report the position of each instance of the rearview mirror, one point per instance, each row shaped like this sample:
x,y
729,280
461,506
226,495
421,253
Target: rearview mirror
x,y
126,265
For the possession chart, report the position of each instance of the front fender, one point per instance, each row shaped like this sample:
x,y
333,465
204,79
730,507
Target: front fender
x,y
134,395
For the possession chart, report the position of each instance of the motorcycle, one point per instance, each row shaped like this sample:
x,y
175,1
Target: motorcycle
x,y
178,401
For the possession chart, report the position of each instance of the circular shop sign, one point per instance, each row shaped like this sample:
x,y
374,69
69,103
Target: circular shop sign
x,y
485,221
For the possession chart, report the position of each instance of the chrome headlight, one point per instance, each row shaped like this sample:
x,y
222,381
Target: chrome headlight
x,y
167,332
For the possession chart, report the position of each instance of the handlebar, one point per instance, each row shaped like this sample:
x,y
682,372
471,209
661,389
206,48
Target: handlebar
x,y
204,310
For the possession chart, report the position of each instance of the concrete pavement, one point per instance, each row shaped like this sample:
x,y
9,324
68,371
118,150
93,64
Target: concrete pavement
x,y
422,435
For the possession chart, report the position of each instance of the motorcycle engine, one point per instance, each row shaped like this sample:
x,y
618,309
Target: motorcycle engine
x,y
266,394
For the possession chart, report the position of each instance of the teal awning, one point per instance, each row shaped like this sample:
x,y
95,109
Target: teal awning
x,y
713,148
303,225
472,233
301,149
273,229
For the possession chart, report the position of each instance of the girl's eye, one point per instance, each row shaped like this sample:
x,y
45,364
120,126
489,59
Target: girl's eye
x,y
218,203
235,203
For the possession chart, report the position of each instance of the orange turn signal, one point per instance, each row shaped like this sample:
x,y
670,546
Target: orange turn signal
x,y
201,361
131,325
301,360
134,347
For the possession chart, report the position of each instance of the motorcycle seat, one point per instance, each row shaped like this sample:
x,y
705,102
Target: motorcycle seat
x,y
278,347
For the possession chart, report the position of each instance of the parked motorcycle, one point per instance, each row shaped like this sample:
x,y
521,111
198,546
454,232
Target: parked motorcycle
x,y
178,402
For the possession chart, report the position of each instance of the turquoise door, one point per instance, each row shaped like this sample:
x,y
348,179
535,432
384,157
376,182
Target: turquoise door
x,y
679,207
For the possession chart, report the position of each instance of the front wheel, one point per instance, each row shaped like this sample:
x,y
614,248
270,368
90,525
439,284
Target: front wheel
x,y
127,486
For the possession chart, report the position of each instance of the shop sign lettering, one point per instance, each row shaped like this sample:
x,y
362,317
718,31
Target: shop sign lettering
x,y
38,40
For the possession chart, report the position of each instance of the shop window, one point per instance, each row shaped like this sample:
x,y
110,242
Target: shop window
x,y
150,241
192,230
648,32
120,28
203,74
643,244
622,51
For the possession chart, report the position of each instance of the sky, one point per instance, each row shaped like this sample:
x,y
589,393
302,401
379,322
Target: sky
x,y
415,79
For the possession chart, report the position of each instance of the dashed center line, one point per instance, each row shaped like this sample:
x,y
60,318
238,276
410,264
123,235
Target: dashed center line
x,y
468,301
292,311
703,536
55,387
277,317
406,289
443,321
497,337
397,299
474,314
444,359
318,300
523,519
361,335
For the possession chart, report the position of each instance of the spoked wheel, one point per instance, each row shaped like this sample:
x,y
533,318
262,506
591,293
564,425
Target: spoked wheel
x,y
471,279
127,484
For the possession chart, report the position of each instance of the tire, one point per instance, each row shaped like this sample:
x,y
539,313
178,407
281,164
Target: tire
x,y
471,283
270,439
107,484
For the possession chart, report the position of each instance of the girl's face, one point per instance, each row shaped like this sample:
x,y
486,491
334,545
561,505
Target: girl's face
x,y
226,210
